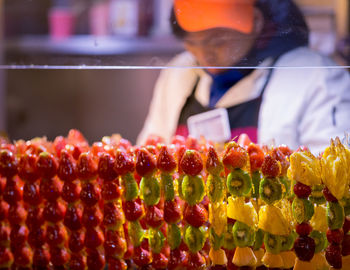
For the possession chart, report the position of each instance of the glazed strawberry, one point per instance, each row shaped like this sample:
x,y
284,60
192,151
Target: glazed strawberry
x,y
154,216
152,149
67,170
27,168
132,210
113,215
178,140
114,244
51,188
77,262
165,162
154,140
23,256
106,167
5,231
333,256
328,195
301,190
303,229
73,218
286,151
41,257
160,261
56,235
2,184
256,157
12,192
116,264
213,164
93,237
90,194
192,143
19,235
95,260
31,194
145,162
71,191
47,165
76,241
86,167
142,256
54,211
196,261
279,156
59,144
110,191
335,236
59,256
123,163
195,215
191,163
8,163
17,214
4,209
6,257
179,154
172,211
36,237
35,217
235,156
92,216
270,167
178,259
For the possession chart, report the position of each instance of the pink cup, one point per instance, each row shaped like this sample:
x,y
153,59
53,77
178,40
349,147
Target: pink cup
x,y
61,23
99,19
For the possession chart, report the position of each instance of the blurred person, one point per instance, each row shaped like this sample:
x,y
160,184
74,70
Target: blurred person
x,y
270,102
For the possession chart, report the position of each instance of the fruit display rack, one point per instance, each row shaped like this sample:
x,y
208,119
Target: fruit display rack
x,y
189,204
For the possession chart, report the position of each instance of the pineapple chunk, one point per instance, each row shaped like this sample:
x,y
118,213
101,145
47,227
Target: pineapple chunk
x,y
259,254
319,219
272,260
217,257
288,258
244,212
271,220
320,261
301,265
217,217
244,257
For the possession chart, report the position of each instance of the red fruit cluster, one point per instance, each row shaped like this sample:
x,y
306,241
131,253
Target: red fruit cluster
x,y
235,156
270,167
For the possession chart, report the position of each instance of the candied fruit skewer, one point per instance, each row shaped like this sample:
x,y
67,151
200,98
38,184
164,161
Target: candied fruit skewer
x,y
90,195
113,217
67,172
217,209
195,215
256,159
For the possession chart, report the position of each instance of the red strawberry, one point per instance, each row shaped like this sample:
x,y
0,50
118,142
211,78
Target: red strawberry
x,y
73,218
27,168
132,210
114,244
17,214
285,150
47,165
335,236
105,167
51,188
19,234
86,167
160,261
178,259
195,215
191,163
35,217
41,257
301,190
142,256
6,257
56,235
59,256
113,215
92,216
303,229
13,192
178,140
145,162
123,163
67,170
271,167
154,140
279,156
71,191
4,209
166,162
235,156
213,165
333,256
172,211
59,144
36,237
110,191
90,194
77,262
8,163
95,260
93,237
196,261
5,231
256,157
154,216
23,256
116,264
31,194
54,211
192,143
76,241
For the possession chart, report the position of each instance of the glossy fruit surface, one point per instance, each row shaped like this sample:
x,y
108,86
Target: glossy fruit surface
x,y
235,156
86,167
172,211
95,260
213,164
17,214
160,261
51,189
328,195
92,216
303,229
333,256
166,161
54,211
142,256
71,191
154,216
37,237
35,217
8,163
195,215
67,169
256,157
31,193
113,215
77,262
93,238
304,248
110,191
335,236
19,235
73,218
191,163
270,167
76,241
301,190
47,165
27,168
145,162
90,194
56,235
41,257
59,256
132,210
178,259
106,167
123,163
114,244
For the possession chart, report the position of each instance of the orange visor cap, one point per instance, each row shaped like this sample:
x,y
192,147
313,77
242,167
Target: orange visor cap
x,y
199,15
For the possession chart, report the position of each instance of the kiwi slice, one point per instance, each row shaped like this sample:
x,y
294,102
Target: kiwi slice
x,y
229,242
243,235
150,190
174,236
193,189
256,178
156,240
303,210
215,240
239,183
317,195
287,242
259,239
179,185
272,243
135,232
335,215
131,190
270,190
285,186
168,186
216,188
320,240
194,238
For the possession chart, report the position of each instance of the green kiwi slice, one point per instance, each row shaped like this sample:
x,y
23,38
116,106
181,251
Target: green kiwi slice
x,y
320,240
270,190
243,235
239,183
272,243
216,188
167,186
150,190
135,232
194,238
335,215
317,195
285,186
259,239
229,242
174,236
256,178
156,240
303,210
287,242
131,190
193,189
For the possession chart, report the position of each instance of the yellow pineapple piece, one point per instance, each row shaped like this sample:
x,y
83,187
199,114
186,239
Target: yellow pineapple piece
x,y
288,258
305,168
272,260
301,265
217,217
217,257
244,212
259,254
244,257
346,261
271,220
286,208
319,219
320,262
